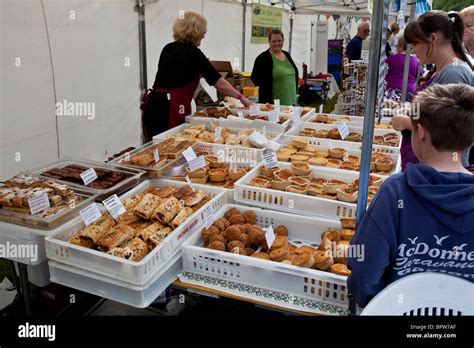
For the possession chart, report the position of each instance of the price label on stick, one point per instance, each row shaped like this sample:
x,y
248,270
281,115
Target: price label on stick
x,y
270,160
343,130
114,206
217,133
90,214
208,216
276,105
254,109
39,203
189,182
270,236
273,116
156,155
88,176
189,154
197,163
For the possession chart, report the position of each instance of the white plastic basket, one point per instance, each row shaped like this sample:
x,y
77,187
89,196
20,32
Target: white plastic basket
x,y
305,282
243,157
356,121
346,144
138,273
350,151
112,289
294,202
173,131
24,238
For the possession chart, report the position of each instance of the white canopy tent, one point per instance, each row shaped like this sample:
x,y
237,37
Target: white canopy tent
x,y
84,55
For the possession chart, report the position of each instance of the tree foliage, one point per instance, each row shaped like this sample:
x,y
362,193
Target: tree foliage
x,y
451,5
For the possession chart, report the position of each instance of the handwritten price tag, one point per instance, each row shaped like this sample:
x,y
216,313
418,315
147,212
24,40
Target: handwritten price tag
x,y
197,163
189,182
208,216
343,130
156,155
38,204
90,214
270,236
88,176
270,160
254,109
273,116
189,154
114,206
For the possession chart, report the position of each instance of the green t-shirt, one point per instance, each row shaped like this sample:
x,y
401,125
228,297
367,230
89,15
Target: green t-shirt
x,y
284,83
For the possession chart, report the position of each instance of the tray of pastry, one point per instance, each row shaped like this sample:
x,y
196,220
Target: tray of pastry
x,y
160,214
303,189
385,122
223,168
111,178
296,149
307,257
157,157
382,137
233,136
64,201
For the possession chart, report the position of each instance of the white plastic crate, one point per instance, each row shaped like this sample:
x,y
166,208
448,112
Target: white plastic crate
x,y
305,282
244,157
173,131
115,290
23,237
294,202
346,144
350,151
138,273
356,121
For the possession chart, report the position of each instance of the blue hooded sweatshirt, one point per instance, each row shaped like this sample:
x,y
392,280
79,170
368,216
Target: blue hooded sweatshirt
x,y
419,221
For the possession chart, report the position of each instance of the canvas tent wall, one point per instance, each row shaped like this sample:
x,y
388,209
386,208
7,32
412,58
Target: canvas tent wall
x,y
86,52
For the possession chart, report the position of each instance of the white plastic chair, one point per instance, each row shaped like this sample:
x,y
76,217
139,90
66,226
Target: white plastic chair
x,y
422,294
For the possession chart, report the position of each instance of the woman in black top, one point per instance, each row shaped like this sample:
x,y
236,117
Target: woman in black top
x,y
180,68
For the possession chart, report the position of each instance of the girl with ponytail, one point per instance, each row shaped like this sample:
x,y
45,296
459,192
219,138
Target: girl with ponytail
x,y
436,37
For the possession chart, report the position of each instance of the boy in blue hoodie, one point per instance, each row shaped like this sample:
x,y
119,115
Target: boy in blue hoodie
x,y
423,220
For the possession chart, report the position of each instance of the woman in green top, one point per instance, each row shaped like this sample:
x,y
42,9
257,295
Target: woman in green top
x,y
275,73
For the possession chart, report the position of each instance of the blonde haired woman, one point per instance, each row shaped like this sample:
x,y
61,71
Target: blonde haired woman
x,y
180,67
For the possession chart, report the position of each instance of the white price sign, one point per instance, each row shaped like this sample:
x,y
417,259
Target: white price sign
x,y
254,109
156,155
217,133
197,163
114,206
208,216
38,204
270,160
273,116
343,130
276,105
189,154
88,176
270,236
189,182
90,214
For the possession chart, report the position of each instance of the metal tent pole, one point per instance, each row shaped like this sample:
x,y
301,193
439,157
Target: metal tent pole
x,y
244,22
378,38
142,45
407,57
292,16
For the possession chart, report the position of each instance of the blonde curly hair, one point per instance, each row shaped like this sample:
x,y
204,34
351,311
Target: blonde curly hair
x,y
189,27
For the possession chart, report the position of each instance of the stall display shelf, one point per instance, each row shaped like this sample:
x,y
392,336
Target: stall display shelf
x,y
138,273
305,282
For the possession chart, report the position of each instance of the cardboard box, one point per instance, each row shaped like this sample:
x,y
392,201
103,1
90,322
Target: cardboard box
x,y
225,69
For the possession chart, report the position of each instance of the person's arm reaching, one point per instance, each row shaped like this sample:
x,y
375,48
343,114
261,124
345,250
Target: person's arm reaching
x,y
225,87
